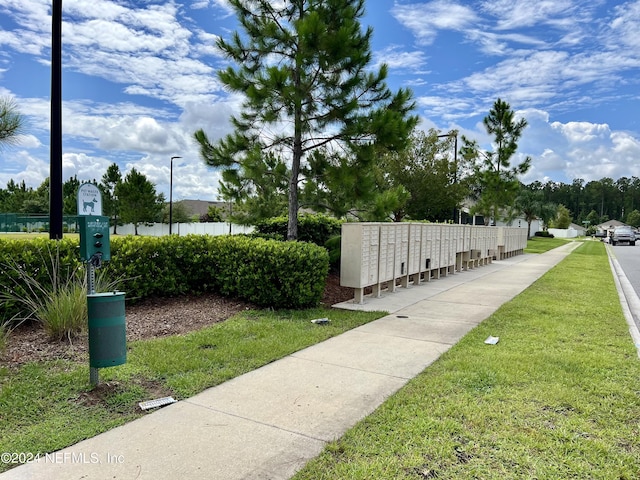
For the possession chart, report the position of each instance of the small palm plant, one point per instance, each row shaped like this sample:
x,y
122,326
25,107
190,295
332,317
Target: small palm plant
x,y
59,303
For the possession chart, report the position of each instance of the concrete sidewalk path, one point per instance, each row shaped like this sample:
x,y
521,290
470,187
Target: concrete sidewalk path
x,y
268,423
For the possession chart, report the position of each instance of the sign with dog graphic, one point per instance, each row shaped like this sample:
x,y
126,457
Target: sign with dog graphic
x,y
89,200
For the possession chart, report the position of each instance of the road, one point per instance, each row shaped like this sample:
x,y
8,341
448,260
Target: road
x,y
629,259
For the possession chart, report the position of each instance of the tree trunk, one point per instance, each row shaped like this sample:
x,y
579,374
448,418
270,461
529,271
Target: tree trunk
x,y
292,224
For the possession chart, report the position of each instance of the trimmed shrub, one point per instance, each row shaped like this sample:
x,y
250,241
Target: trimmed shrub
x,y
265,272
268,273
333,246
544,234
314,228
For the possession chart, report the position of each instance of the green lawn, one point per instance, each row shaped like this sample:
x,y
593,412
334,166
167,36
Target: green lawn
x,y
48,406
542,244
558,397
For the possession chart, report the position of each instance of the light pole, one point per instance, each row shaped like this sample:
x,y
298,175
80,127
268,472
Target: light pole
x,y
171,194
55,152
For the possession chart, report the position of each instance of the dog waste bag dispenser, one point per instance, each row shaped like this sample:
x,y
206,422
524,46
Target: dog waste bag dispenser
x,y
107,329
95,246
105,311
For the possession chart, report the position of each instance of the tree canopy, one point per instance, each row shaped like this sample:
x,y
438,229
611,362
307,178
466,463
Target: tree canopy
x,y
138,200
497,180
304,69
11,122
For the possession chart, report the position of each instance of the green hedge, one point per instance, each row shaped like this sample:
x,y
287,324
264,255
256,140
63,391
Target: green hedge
x,y
268,273
314,228
265,272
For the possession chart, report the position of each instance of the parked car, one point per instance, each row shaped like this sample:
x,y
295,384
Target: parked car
x,y
637,232
623,234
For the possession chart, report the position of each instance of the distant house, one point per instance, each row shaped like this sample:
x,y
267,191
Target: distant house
x,y
578,228
520,222
201,207
608,226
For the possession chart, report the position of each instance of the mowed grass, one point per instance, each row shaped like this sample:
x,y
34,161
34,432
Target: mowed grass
x,y
557,398
543,244
48,406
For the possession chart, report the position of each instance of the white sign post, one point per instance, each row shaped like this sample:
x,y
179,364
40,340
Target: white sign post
x,y
89,200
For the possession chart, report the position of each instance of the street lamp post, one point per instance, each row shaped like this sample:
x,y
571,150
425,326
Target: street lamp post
x,y
171,194
55,152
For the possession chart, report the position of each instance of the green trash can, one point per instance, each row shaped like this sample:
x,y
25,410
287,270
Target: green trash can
x,y
107,329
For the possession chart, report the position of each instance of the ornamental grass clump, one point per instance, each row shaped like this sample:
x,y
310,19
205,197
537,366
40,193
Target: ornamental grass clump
x,y
57,300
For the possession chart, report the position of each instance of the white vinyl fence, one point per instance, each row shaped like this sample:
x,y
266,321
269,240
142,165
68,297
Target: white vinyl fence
x,y
161,229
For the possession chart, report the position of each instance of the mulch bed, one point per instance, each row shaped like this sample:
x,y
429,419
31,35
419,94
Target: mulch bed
x,y
150,318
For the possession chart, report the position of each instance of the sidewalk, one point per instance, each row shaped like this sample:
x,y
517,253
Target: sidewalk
x,y
268,423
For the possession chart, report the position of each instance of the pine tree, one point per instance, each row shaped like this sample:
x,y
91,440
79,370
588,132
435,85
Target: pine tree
x,y
110,181
138,200
304,69
497,180
11,122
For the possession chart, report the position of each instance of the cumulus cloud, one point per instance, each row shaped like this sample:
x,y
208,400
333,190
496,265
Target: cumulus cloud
x,y
148,49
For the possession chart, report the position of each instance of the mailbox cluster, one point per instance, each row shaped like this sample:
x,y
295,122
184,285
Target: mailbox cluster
x,y
385,255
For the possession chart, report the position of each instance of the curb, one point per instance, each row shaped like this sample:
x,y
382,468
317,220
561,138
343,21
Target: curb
x,y
628,298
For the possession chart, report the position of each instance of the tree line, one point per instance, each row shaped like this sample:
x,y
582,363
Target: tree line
x,y
595,202
132,199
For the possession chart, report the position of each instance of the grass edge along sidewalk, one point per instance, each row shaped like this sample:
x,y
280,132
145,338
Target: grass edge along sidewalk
x,y
46,406
557,397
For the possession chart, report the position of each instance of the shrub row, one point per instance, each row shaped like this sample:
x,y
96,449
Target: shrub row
x,y
314,228
265,272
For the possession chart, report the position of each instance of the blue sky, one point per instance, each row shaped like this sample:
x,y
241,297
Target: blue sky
x,y
139,77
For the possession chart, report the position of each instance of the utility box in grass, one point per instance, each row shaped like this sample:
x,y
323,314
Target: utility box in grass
x,y
107,329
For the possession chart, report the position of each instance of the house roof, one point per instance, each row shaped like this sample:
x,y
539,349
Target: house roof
x,y
609,225
200,207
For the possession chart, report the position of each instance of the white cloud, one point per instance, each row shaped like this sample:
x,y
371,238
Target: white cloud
x,y
21,166
220,4
86,167
525,13
400,60
426,19
147,49
625,26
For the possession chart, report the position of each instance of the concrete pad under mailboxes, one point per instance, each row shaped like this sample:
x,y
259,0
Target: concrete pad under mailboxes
x,y
419,328
181,441
315,399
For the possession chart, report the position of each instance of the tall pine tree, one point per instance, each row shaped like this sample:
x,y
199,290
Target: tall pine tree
x,y
304,69
497,180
